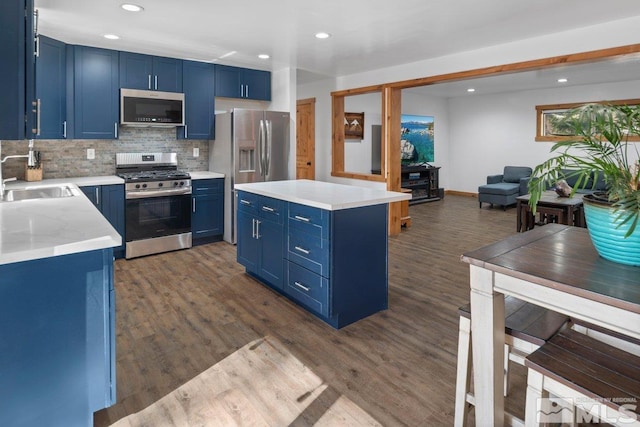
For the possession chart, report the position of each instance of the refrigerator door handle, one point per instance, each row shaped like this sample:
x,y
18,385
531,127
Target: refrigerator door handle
x,y
262,149
267,154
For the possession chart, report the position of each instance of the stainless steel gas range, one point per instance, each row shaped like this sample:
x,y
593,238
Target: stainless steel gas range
x,y
158,203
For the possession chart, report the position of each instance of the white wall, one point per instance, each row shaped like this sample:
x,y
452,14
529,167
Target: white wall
x,y
613,34
489,132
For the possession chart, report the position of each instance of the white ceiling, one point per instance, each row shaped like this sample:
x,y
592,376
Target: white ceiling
x,y
366,34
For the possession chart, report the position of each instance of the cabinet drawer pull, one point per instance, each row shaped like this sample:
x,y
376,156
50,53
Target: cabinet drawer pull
x,y
245,202
302,218
301,286
268,209
303,250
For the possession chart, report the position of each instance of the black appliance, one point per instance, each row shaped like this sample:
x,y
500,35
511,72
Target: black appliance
x,y
158,203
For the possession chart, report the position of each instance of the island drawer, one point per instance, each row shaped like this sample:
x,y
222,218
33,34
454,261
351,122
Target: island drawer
x,y
308,288
265,207
311,252
209,186
247,202
311,220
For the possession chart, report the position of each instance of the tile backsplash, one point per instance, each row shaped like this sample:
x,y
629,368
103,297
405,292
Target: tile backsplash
x,y
68,158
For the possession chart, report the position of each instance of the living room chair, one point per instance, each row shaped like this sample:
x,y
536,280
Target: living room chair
x,y
503,189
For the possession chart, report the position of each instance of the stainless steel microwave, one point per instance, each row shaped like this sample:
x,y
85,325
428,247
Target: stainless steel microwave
x,y
151,108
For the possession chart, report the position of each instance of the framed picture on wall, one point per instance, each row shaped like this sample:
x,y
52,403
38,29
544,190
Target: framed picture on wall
x,y
416,139
354,126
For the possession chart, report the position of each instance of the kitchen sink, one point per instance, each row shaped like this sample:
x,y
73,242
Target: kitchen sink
x,y
39,193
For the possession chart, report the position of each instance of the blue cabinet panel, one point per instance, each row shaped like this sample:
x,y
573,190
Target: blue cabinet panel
x,y
96,93
51,88
110,201
14,77
147,72
56,352
207,216
235,82
335,262
260,238
199,101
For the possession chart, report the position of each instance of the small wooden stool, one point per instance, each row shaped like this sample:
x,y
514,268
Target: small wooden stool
x,y
527,327
601,381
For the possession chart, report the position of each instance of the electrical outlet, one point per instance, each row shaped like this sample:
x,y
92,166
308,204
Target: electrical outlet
x,y
196,152
91,153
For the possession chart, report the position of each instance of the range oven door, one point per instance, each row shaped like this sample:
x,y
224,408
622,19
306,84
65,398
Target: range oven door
x,y
152,217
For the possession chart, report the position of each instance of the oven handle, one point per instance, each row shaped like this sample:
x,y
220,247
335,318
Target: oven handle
x,y
157,193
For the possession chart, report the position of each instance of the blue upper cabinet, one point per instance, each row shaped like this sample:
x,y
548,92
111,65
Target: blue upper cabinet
x,y
17,74
234,82
146,72
95,93
51,89
197,83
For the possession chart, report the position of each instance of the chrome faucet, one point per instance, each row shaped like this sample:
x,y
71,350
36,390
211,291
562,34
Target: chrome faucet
x,y
30,162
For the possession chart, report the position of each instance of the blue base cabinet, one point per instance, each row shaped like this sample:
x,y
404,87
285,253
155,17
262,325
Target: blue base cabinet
x,y
207,213
334,262
57,352
109,199
260,237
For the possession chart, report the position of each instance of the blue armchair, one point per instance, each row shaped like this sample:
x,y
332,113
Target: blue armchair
x,y
504,188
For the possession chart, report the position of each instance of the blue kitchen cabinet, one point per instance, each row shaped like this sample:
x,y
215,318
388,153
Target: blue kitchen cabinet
x,y
57,352
199,101
207,214
147,72
110,201
236,82
51,88
260,238
335,261
94,92
17,69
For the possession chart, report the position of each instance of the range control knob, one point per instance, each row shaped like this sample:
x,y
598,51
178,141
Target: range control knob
x,y
144,185
181,183
175,183
137,185
160,184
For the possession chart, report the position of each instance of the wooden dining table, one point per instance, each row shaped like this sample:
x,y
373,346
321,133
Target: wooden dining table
x,y
557,267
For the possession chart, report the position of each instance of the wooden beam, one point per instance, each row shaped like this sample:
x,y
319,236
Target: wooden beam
x,y
392,108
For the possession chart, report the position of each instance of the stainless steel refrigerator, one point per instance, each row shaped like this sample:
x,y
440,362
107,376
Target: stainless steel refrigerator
x,y
250,146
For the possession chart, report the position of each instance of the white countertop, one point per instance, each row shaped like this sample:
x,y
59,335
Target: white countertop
x,y
205,175
82,181
42,228
323,195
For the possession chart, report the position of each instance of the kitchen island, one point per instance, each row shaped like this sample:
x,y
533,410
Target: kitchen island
x,y
57,310
322,245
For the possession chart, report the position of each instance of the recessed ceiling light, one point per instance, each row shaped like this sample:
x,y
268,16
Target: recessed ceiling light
x,y
322,35
471,90
263,56
562,80
111,37
132,7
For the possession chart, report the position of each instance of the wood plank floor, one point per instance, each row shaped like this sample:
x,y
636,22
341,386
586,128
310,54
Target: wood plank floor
x,y
186,314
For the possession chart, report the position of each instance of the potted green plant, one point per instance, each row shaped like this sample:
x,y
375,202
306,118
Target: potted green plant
x,y
600,150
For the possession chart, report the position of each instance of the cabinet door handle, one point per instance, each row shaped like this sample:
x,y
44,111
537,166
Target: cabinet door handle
x,y
253,228
155,82
241,91
302,218
115,129
246,91
37,107
303,250
64,129
186,132
268,209
149,82
97,196
258,229
245,202
301,286
193,204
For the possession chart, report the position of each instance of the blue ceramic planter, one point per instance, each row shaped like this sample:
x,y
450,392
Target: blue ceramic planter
x,y
608,239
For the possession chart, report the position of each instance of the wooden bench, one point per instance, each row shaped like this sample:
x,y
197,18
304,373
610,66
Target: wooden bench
x,y
527,327
588,379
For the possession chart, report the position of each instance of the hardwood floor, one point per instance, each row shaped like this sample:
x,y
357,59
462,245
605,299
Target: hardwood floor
x,y
181,313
